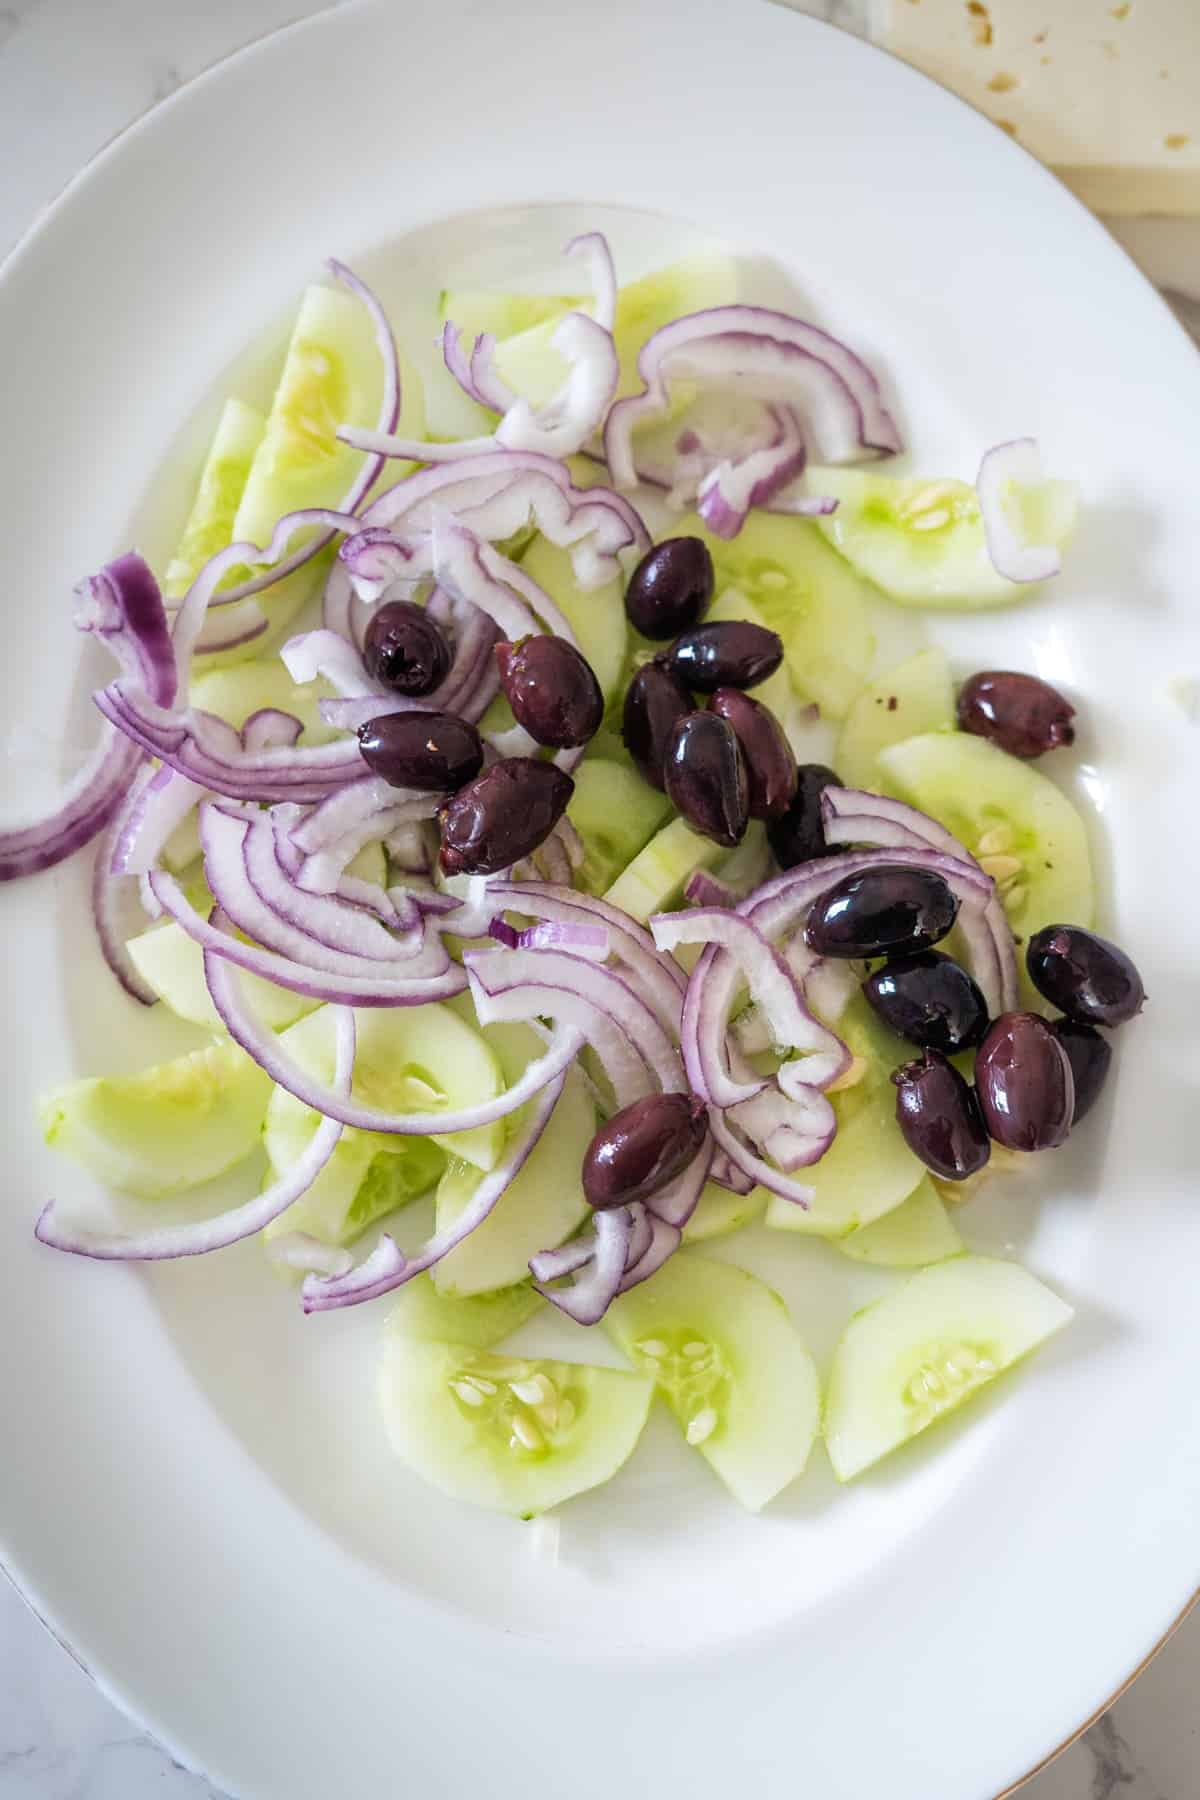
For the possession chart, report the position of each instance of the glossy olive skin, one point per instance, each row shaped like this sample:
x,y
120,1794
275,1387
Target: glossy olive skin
x,y
552,690
730,653
938,1114
881,912
502,816
1021,713
929,1000
1024,1082
670,589
1090,1056
799,835
655,701
770,764
436,752
1084,975
643,1148
704,773
405,649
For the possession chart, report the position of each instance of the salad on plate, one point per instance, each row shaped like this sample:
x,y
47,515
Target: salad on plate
x,y
524,820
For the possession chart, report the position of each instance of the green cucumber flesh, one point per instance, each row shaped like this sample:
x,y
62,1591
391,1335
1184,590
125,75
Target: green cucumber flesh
x,y
914,698
733,1368
544,1202
918,1231
517,1434
426,1315
923,1350
868,1169
595,615
165,1129
1001,807
805,592
249,687
922,541
502,312
332,375
719,1212
654,880
616,813
209,527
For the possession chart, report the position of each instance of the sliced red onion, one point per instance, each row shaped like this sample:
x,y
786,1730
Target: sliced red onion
x,y
567,421
597,1282
1004,468
641,1235
469,567
475,374
409,850
271,729
705,889
259,1042
166,1241
735,950
552,1265
676,1203
110,910
829,986
210,752
759,1172
311,1255
665,1240
659,979
729,491
853,816
387,1267
324,652
727,1175
122,607
515,741
602,273
794,1130
754,352
581,940
626,1034
382,989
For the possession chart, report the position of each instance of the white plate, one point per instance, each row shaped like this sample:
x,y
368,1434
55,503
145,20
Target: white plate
x,y
194,1485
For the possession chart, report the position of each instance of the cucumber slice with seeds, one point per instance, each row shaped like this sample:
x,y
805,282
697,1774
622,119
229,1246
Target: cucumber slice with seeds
x,y
1022,827
914,698
616,814
731,1365
922,542
518,1434
920,1352
173,964
917,1232
240,431
543,1203
165,1129
868,1169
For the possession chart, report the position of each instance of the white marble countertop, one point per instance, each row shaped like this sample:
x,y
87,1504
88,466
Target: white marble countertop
x,y
72,73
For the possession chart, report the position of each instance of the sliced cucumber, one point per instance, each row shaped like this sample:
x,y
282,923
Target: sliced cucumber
x,y
776,691
250,687
805,592
654,880
332,375
915,697
531,365
616,814
504,314
868,1169
720,1212
724,1352
544,1202
418,1058
922,542
514,1433
597,616
916,1232
173,964
921,1351
1025,831
483,1320
166,1129
240,431
357,1186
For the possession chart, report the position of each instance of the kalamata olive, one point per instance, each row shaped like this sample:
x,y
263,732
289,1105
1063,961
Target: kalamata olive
x,y
405,649
655,701
799,835
501,816
1090,1056
670,589
930,1000
1021,713
1084,975
938,1114
433,751
770,764
881,912
642,1148
729,653
704,772
1024,1082
552,690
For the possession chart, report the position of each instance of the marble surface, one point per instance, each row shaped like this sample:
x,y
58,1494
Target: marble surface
x,y
73,73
